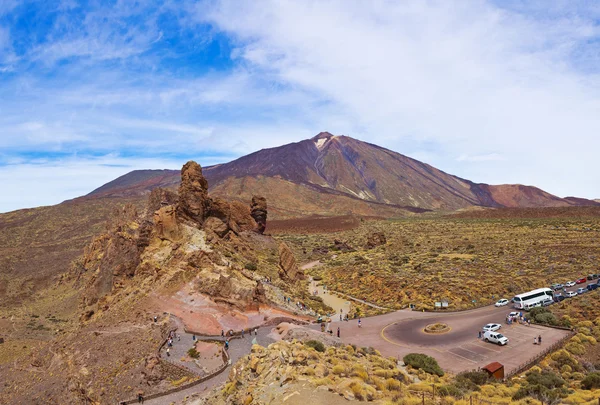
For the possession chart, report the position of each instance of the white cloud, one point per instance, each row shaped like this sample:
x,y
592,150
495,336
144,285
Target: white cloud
x,y
495,95
46,182
468,77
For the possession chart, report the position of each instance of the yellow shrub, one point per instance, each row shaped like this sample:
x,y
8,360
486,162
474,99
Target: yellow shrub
x,y
322,381
566,369
393,385
575,348
384,373
338,370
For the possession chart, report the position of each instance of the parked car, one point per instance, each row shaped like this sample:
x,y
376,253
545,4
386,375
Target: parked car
x,y
569,283
591,287
495,337
570,294
557,286
491,327
581,280
502,302
559,298
592,276
513,314
547,301
581,290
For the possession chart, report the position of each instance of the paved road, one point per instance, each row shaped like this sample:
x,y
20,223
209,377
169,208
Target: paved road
x,y
238,348
399,333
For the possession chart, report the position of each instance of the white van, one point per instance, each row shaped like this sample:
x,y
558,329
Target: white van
x,y
495,337
528,307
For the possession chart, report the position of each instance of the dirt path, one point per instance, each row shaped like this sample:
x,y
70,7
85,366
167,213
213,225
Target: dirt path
x,y
310,265
329,297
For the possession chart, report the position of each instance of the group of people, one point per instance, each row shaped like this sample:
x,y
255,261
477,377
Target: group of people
x,y
537,340
518,318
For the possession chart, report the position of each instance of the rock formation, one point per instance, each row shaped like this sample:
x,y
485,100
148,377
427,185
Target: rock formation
x,y
376,239
159,197
288,268
193,200
165,223
259,212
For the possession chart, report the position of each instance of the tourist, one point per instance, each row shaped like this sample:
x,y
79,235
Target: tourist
x,y
155,319
227,344
140,397
479,334
338,332
194,338
539,339
242,332
222,333
255,331
359,324
168,352
340,317
535,341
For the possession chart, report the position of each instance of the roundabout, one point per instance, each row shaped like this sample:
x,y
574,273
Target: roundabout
x,y
437,328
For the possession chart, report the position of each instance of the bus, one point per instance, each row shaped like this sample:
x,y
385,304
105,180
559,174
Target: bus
x,y
532,299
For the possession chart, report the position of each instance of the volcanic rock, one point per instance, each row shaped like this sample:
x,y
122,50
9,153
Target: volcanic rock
x,y
166,225
342,246
288,268
193,193
214,224
259,212
376,239
159,197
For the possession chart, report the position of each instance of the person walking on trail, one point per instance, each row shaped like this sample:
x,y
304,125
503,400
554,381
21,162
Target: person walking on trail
x,y
222,333
255,331
539,339
168,352
140,397
479,334
227,344
242,332
359,324
535,341
338,332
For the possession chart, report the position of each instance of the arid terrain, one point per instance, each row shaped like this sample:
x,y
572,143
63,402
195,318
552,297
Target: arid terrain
x,y
466,260
91,288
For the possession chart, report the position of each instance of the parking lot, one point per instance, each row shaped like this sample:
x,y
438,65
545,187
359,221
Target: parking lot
x,y
399,333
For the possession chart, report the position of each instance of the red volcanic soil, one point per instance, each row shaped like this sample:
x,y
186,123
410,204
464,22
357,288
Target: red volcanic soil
x,y
202,315
316,224
546,212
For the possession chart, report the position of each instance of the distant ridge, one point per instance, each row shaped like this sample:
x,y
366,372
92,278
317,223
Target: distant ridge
x,y
337,175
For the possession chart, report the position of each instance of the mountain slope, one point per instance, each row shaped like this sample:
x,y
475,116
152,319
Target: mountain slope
x,y
331,174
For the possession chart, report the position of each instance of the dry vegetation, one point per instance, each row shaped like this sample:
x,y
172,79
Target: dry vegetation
x,y
465,261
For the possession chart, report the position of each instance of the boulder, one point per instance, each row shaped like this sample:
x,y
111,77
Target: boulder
x,y
193,200
288,268
166,225
259,212
214,224
376,239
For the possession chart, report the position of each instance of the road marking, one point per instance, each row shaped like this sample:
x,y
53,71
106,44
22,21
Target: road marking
x,y
485,346
462,357
388,340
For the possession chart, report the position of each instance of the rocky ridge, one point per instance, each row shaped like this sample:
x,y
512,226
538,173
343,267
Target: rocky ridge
x,y
189,235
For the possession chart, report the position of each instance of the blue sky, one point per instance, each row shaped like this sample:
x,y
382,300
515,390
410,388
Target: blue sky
x,y
493,91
